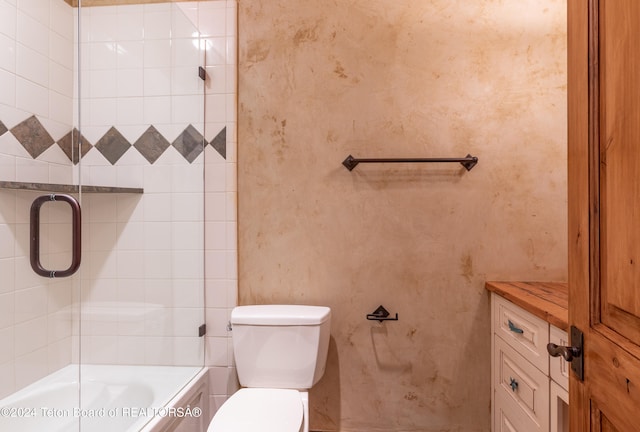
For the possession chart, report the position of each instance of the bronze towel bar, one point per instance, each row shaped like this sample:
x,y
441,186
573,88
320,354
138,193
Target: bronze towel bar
x,y
468,162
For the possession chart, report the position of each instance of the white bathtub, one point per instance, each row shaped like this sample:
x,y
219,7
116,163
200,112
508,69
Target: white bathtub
x,y
113,399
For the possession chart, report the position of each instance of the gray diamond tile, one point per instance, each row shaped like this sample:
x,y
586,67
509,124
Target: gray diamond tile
x,y
3,128
190,143
151,144
33,136
69,145
113,145
220,142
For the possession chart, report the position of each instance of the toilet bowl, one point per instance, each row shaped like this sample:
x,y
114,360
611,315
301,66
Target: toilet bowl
x,y
264,410
280,353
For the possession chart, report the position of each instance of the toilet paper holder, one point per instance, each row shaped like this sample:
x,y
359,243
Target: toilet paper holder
x,y
381,314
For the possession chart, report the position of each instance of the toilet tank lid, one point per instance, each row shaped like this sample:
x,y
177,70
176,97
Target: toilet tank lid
x,y
271,315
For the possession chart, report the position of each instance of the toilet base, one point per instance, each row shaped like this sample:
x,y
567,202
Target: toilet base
x,y
304,396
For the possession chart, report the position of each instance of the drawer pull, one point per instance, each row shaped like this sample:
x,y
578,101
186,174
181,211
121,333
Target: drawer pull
x,y
514,329
513,383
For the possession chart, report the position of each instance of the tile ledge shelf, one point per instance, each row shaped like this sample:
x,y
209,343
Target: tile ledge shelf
x,y
67,188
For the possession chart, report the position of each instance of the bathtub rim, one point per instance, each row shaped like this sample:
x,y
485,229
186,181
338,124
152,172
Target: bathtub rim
x,y
199,383
182,392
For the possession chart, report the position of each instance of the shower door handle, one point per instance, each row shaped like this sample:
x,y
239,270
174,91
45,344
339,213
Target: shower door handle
x,y
35,235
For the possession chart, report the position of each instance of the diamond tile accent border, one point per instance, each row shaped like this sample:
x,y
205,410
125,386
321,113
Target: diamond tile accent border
x,y
113,145
33,136
190,143
151,144
69,145
220,142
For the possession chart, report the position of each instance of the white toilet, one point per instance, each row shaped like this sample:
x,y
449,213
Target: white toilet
x,y
280,353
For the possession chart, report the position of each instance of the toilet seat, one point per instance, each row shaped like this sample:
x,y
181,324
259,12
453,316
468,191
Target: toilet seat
x,y
259,409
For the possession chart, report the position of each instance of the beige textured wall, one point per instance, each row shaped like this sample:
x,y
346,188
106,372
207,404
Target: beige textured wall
x,y
321,79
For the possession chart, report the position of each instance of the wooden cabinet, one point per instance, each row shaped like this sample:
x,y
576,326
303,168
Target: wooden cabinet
x,y
529,388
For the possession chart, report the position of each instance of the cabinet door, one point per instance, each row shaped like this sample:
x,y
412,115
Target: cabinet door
x,y
559,408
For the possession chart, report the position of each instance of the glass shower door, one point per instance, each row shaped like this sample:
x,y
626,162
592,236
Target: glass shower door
x,y
38,157
141,109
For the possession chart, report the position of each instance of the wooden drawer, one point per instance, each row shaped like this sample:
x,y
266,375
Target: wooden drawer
x,y
521,386
508,417
524,332
558,367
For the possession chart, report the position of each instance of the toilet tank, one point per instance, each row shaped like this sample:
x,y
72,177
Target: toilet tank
x,y
280,346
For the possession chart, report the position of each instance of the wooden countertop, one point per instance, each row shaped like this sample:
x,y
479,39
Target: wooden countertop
x,y
546,300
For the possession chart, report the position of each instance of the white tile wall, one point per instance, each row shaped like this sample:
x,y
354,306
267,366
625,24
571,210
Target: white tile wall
x,y
35,326
36,76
